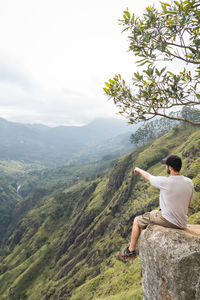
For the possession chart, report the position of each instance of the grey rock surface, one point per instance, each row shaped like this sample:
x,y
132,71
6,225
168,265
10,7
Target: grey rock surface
x,y
170,261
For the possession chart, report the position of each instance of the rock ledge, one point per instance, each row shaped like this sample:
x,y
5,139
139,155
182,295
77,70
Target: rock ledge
x,y
170,261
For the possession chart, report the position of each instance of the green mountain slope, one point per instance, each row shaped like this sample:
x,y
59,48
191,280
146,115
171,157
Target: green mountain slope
x,y
9,198
66,245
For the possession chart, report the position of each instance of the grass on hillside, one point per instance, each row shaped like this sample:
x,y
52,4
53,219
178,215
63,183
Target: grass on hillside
x,y
118,281
71,240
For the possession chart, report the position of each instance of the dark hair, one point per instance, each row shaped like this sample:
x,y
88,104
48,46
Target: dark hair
x,y
174,161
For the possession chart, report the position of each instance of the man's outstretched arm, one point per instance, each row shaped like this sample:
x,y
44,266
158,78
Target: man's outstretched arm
x,y
144,174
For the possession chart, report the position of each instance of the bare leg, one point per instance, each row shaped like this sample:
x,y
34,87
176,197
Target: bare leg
x,y
134,235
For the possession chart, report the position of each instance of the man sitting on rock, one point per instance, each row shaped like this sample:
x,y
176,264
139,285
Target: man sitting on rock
x,y
176,193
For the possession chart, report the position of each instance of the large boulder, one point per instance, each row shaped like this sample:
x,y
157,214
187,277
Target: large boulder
x,y
170,261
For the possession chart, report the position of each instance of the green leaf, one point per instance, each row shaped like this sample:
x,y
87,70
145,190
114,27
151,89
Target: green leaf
x,y
166,4
132,19
137,75
192,50
107,91
127,13
163,69
157,72
177,3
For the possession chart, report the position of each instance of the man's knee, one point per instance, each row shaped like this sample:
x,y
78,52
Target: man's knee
x,y
142,221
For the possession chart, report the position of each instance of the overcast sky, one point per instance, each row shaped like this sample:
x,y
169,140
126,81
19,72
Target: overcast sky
x,y
55,56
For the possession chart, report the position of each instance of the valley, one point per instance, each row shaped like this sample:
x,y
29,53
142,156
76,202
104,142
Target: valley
x,y
61,231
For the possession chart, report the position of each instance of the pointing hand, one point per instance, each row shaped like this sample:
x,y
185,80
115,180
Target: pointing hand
x,y
136,171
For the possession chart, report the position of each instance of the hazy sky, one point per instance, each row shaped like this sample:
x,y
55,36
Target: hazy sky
x,y
55,56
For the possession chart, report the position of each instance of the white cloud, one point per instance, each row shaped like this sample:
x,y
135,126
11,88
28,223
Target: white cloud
x,y
56,55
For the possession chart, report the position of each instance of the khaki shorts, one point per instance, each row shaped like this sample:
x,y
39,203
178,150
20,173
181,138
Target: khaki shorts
x,y
154,217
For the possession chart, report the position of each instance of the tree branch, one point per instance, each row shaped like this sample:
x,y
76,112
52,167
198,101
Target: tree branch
x,y
177,119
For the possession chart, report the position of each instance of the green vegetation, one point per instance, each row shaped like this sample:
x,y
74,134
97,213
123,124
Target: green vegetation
x,y
118,281
168,34
65,234
8,200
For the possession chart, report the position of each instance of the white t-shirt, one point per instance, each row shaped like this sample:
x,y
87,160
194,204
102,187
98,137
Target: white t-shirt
x,y
175,195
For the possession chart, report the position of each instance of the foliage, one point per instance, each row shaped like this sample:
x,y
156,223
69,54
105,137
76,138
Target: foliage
x,y
8,200
152,130
191,114
119,281
170,34
156,128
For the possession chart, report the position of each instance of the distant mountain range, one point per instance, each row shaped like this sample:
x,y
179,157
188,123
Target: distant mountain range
x,y
64,144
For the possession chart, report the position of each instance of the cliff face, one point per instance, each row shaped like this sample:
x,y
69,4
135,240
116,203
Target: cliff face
x,y
170,261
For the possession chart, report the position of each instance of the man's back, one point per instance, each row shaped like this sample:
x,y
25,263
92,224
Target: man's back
x,y
175,195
